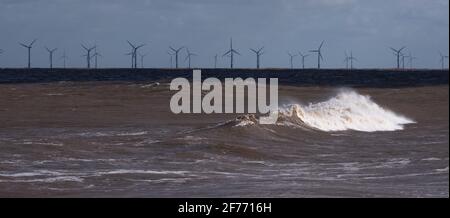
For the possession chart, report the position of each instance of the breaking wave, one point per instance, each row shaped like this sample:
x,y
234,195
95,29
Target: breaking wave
x,y
348,110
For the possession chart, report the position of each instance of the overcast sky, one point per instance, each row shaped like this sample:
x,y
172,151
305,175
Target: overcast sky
x,y
365,27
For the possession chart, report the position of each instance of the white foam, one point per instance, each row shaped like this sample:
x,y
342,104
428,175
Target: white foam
x,y
123,171
132,133
49,180
32,174
348,110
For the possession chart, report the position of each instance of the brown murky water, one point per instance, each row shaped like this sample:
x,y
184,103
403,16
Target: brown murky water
x,y
98,139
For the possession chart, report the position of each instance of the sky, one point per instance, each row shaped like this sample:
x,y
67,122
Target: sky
x,y
366,27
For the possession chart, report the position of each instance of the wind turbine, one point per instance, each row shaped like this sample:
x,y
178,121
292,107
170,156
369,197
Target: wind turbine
x,y
134,53
215,61
403,59
50,53
95,56
303,58
29,47
411,59
350,59
230,53
292,59
258,54
443,57
88,54
64,57
346,60
142,56
1,51
171,59
319,54
398,54
189,56
176,51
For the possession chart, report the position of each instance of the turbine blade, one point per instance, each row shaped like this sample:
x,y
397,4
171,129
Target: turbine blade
x,y
140,46
227,53
31,44
26,46
321,44
131,44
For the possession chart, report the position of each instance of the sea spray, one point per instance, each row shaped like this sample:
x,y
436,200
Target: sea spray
x,y
348,110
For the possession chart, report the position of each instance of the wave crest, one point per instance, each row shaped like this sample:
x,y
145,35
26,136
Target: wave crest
x,y
348,110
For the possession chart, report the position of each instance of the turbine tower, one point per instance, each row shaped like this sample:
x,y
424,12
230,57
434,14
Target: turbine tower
x,y
443,57
171,59
230,53
64,57
346,60
95,56
304,56
291,56
319,54
88,54
29,47
411,59
142,56
350,59
403,59
134,49
189,56
132,58
258,53
215,61
398,54
50,53
176,51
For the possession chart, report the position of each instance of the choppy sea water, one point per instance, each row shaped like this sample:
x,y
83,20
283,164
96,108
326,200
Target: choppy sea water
x,y
121,140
